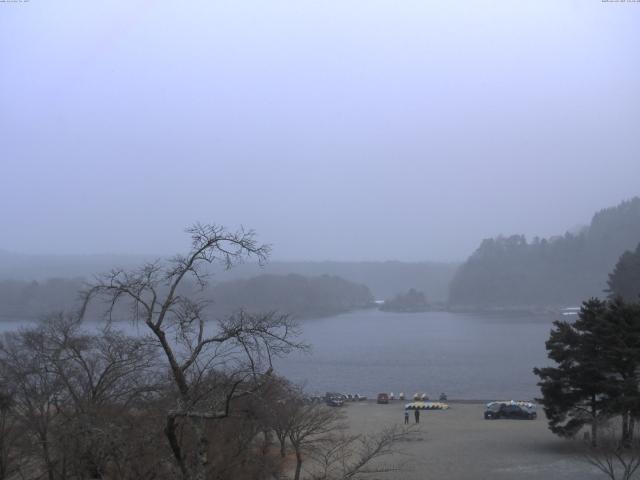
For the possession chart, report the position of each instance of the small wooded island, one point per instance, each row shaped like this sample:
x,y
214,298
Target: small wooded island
x,y
411,302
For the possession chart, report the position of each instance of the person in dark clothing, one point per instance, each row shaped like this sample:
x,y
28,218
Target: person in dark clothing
x,y
406,417
416,414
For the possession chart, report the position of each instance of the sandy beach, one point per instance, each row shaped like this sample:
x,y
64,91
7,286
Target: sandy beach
x,y
460,444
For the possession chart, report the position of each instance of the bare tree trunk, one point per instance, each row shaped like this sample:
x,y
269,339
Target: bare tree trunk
x,y
266,446
202,452
170,432
594,422
283,447
298,465
47,460
4,449
625,428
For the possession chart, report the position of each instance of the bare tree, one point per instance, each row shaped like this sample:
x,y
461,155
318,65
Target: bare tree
x,y
311,426
319,436
359,456
24,364
10,434
617,459
193,345
237,442
73,395
283,401
103,369
103,375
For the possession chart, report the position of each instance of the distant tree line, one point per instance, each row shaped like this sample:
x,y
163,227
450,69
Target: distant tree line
x,y
302,297
559,271
384,279
28,300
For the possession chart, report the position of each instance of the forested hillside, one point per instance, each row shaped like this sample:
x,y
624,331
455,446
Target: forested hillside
x,y
303,297
384,279
624,281
513,272
28,300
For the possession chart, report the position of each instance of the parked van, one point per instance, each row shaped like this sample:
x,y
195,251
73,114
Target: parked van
x,y
383,398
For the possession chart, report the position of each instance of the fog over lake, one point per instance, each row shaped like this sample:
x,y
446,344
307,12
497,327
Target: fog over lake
x,y
469,356
465,355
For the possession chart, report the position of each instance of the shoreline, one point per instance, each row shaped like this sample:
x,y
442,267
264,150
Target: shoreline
x,y
453,401
525,310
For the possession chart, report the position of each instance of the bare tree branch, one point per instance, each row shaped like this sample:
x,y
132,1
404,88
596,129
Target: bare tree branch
x,y
240,347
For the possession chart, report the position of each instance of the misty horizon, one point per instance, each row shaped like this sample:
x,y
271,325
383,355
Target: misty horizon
x,y
576,228
341,131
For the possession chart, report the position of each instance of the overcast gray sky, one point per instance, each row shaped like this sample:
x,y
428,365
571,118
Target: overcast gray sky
x,y
338,129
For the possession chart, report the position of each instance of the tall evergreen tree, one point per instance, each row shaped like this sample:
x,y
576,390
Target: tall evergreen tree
x,y
620,336
598,369
576,392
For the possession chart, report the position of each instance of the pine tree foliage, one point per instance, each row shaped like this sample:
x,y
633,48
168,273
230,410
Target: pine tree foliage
x,y
597,372
624,281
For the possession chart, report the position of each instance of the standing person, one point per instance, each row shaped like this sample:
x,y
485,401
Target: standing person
x,y
416,414
406,417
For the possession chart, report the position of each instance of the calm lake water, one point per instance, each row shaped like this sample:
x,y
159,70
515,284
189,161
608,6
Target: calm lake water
x,y
468,356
